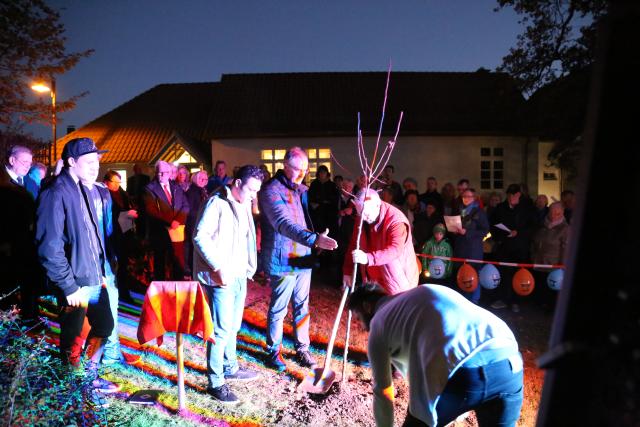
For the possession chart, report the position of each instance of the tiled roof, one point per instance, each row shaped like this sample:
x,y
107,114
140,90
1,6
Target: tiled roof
x,y
317,104
306,104
139,128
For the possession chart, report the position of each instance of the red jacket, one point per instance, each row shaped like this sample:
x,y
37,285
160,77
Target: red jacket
x,y
389,247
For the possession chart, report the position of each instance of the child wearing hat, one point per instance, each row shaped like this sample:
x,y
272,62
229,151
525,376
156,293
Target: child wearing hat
x,y
437,245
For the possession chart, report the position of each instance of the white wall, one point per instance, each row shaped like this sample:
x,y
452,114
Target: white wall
x,y
448,158
549,187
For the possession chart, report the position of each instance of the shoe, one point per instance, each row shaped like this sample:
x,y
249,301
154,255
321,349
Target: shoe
x,y
96,399
515,308
242,374
222,394
305,359
498,304
276,362
104,386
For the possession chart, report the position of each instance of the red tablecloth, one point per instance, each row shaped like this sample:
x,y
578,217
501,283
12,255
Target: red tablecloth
x,y
174,307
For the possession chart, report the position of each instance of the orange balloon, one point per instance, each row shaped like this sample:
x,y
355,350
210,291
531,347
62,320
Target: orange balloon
x,y
467,278
419,264
523,282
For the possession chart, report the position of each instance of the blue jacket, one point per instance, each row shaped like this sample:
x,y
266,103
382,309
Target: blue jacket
x,y
62,238
287,232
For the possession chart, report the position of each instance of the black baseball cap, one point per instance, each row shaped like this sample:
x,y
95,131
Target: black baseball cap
x,y
79,147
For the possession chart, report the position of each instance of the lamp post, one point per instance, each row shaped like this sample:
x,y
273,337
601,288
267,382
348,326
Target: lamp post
x,y
42,88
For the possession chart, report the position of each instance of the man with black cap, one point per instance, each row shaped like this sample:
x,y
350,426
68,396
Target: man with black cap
x,y
73,236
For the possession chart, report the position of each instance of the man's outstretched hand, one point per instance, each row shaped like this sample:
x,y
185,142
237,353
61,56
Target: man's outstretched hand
x,y
325,242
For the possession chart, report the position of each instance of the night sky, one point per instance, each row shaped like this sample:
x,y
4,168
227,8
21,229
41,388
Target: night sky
x,y
139,44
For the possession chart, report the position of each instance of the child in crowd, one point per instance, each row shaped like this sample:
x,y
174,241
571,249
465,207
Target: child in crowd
x,y
439,246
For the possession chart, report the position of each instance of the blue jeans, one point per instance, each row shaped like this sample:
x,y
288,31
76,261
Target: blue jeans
x,y
283,289
493,391
227,305
112,352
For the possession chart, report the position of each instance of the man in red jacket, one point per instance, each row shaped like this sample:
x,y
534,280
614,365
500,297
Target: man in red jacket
x,y
386,249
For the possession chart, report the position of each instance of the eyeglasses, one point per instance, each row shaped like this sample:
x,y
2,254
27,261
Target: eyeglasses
x,y
164,173
26,163
116,182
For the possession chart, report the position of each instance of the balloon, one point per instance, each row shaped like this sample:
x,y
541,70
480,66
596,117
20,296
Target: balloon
x,y
437,268
467,278
523,282
555,278
489,276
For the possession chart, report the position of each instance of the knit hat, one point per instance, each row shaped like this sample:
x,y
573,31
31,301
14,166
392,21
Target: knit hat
x,y
439,228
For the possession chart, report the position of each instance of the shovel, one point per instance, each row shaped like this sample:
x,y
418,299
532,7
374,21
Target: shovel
x,y
319,380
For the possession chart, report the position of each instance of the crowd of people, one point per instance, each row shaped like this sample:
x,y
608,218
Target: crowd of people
x,y
78,237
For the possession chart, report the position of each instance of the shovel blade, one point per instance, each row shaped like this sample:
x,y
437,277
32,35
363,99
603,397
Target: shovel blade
x,y
316,383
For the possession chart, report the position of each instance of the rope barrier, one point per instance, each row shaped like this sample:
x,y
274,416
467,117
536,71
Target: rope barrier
x,y
505,264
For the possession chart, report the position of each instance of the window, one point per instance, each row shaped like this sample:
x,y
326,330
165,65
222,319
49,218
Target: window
x,y
273,159
492,168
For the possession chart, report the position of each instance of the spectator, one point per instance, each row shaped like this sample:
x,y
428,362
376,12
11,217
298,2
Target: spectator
x,y
226,222
387,181
541,209
493,202
183,178
455,355
432,216
568,199
337,180
123,241
387,196
414,211
432,194
438,245
135,189
18,259
512,245
166,208
361,183
548,246
386,251
448,198
74,232
323,201
37,173
468,239
286,253
265,172
196,195
219,177
174,172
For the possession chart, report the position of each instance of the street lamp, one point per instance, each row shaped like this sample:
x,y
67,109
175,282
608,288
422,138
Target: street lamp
x,y
42,88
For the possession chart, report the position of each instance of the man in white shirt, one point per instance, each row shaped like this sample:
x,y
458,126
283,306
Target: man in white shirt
x,y
455,355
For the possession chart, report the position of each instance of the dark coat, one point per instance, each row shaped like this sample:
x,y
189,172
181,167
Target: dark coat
x,y
519,218
469,245
160,213
62,237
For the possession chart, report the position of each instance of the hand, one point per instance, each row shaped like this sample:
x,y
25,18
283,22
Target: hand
x,y
219,278
346,282
325,242
174,224
359,257
133,214
78,299
513,233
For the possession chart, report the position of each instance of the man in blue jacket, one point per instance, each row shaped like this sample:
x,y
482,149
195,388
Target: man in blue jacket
x,y
73,235
286,252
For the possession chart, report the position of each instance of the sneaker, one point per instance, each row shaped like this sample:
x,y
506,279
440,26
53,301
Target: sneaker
x,y
498,304
276,362
305,359
104,386
515,308
242,374
222,394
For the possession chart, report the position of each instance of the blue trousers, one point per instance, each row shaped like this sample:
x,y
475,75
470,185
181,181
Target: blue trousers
x,y
227,306
290,286
493,391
